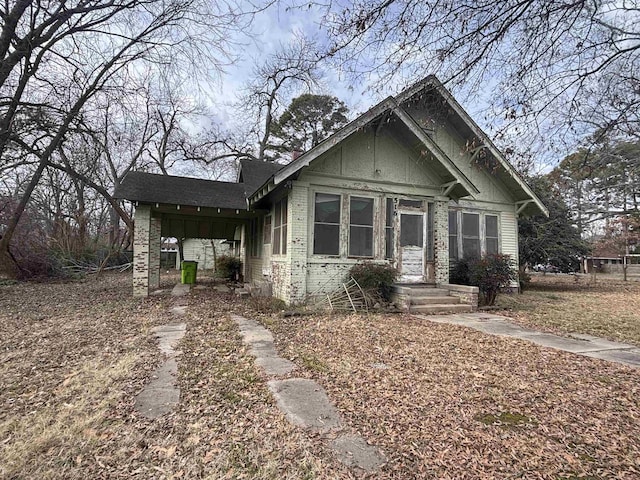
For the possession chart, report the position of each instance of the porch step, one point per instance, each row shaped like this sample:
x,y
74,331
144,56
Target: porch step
x,y
433,300
421,291
435,309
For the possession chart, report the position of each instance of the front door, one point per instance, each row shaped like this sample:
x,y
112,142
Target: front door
x,y
412,248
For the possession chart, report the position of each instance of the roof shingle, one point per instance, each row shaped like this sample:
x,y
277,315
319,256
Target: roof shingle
x,y
154,188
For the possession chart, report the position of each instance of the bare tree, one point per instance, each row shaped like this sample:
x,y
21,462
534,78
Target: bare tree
x,y
293,67
557,67
57,57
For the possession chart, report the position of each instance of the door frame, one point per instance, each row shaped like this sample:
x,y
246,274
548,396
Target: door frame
x,y
398,248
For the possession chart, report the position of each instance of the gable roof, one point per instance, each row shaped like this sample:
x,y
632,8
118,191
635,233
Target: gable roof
x,y
254,173
457,185
432,82
168,189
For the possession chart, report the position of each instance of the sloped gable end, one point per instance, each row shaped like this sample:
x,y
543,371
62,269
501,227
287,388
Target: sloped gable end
x,y
402,116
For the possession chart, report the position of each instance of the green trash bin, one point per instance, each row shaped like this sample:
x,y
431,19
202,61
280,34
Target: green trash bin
x,y
188,271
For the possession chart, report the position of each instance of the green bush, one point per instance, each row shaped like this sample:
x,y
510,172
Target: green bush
x,y
229,267
375,279
459,273
491,273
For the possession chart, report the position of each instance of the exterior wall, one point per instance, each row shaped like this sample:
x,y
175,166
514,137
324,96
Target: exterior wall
x,y
509,234
297,240
146,252
441,240
154,252
200,250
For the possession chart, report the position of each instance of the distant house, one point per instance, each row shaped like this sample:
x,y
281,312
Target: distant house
x,y
205,251
413,182
608,259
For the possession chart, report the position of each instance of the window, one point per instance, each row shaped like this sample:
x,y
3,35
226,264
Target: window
x,y
430,253
326,231
491,234
254,237
410,203
471,234
453,235
267,230
361,227
280,228
388,229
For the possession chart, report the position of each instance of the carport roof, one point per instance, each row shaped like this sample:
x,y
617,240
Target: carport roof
x,y
167,189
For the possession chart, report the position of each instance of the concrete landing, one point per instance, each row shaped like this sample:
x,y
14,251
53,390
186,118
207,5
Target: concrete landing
x,y
303,401
579,344
162,393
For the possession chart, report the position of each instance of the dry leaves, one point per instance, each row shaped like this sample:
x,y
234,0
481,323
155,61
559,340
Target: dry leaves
x,y
442,401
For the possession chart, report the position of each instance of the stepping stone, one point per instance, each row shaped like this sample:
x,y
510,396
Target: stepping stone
x,y
179,310
169,336
161,395
352,450
275,366
180,290
305,403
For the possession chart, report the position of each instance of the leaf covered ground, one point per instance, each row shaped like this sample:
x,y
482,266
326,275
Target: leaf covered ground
x,y
563,304
441,401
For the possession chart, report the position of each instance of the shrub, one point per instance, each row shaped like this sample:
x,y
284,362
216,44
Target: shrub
x,y
490,274
229,267
459,273
375,279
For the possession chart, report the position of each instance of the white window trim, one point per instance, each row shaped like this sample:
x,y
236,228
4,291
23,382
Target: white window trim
x,y
482,228
313,223
374,240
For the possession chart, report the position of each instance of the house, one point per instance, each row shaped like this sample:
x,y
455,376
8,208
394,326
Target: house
x,y
609,259
413,181
205,251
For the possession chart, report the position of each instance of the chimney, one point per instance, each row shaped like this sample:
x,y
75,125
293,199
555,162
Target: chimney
x,y
295,154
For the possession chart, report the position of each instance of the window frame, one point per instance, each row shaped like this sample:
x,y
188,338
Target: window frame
x,y
482,215
279,240
338,224
266,232
487,237
389,228
371,227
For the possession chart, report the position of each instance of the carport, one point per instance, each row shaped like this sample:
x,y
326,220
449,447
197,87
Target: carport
x,y
181,207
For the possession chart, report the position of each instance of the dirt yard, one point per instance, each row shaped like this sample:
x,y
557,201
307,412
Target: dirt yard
x,y
560,303
441,401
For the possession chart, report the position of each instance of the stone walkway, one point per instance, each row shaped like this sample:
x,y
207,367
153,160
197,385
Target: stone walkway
x,y
162,393
579,344
303,401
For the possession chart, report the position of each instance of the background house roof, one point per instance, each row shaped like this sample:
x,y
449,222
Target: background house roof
x,y
254,173
168,189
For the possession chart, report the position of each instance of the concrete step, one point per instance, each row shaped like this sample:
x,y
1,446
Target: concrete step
x,y
441,308
422,291
433,300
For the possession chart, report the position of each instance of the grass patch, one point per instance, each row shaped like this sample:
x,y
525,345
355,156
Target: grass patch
x,y
562,304
505,419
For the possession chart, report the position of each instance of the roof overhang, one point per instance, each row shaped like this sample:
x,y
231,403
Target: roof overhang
x,y
456,185
527,202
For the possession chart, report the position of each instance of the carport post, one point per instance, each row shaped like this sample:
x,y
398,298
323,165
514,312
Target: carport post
x,y
146,252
